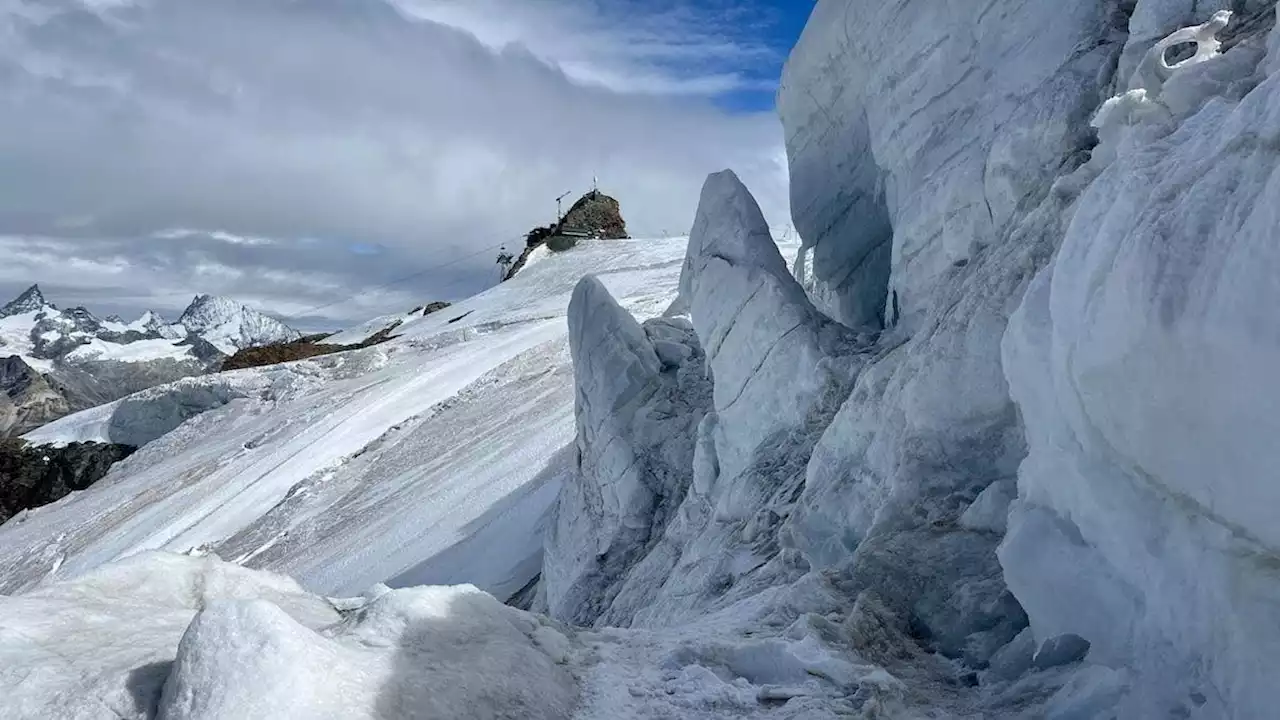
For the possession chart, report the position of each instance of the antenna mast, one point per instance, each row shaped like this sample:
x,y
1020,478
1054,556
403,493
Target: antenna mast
x,y
559,214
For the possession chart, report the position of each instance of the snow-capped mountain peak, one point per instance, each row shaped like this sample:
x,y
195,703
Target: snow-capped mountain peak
x,y
231,326
30,300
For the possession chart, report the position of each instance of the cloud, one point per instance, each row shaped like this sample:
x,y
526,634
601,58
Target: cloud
x,y
290,152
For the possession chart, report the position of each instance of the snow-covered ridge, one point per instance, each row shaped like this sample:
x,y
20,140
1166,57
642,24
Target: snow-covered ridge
x,y
278,458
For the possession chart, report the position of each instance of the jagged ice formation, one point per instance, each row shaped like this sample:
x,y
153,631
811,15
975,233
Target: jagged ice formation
x,y
952,180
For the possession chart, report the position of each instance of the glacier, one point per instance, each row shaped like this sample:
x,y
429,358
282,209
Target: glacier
x,y
993,441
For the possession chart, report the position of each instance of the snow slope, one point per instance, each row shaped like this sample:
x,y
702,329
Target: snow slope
x,y
138,351
401,463
15,339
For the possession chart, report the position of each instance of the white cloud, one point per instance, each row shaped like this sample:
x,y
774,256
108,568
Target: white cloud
x,y
675,47
294,136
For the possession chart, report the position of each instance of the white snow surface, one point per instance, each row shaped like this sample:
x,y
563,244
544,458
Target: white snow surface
x,y
15,338
365,330
137,351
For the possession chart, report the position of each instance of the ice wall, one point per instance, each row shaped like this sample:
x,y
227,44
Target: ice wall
x,y
1051,465
915,134
1144,362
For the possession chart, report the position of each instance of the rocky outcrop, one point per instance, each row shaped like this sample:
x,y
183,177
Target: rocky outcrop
x,y
596,214
31,476
27,398
314,345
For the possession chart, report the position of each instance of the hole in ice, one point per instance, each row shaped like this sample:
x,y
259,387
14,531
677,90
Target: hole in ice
x,y
1178,52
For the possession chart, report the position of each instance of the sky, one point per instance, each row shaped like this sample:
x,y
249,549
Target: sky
x,y
302,155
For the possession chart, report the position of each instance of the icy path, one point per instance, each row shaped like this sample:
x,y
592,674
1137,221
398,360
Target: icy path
x,y
429,459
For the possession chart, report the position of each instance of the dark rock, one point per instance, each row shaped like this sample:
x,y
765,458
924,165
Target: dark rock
x,y
431,308
204,350
83,320
1014,659
35,476
596,214
309,346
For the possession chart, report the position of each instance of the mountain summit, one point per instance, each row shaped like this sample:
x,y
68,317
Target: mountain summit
x,y
231,326
30,300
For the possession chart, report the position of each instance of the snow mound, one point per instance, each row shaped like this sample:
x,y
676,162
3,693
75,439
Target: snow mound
x,y
138,351
176,636
102,645
423,652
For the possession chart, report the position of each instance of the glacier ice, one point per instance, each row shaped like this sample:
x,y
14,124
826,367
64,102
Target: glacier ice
x,y
636,415
1142,360
912,146
905,458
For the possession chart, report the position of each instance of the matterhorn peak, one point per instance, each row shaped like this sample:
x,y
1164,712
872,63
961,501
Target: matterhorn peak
x,y
30,300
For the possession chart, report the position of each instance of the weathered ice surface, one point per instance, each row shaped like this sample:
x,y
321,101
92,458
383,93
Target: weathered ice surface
x,y
916,136
1045,488
643,394
1144,362
880,473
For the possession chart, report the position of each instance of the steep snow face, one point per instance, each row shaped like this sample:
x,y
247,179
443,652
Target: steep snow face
x,y
1144,362
914,139
230,326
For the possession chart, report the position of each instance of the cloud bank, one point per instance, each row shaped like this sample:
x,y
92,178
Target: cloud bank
x,y
290,153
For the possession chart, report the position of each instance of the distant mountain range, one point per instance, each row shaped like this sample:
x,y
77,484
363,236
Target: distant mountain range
x,y
54,362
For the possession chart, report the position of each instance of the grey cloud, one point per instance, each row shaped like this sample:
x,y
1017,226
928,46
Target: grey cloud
x,y
338,120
